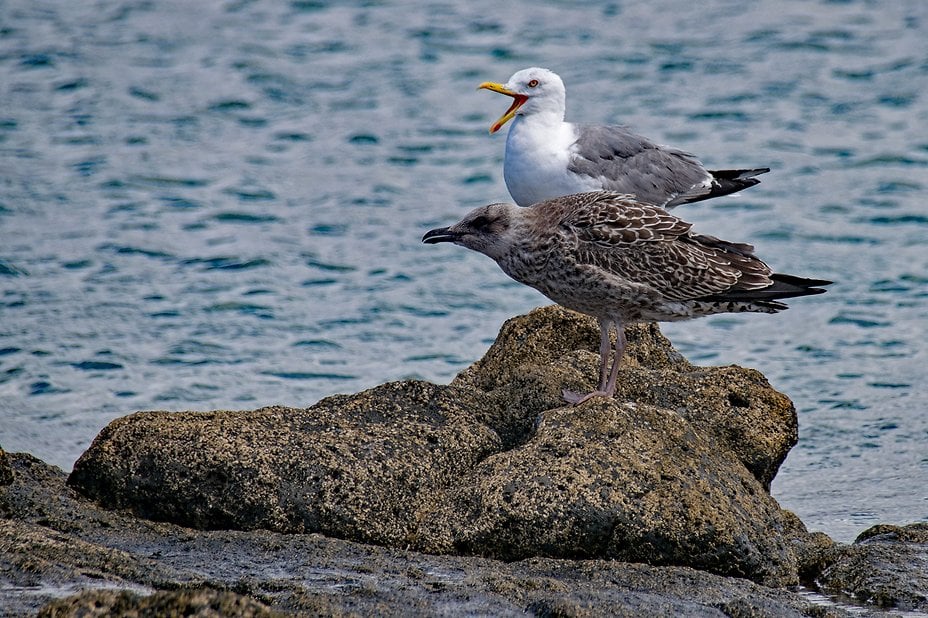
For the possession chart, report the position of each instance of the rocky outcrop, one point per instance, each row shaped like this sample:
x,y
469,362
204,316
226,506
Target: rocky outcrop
x,y
671,472
63,556
487,496
629,482
363,467
536,356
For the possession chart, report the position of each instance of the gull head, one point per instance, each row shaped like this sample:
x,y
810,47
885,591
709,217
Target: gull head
x,y
533,91
487,229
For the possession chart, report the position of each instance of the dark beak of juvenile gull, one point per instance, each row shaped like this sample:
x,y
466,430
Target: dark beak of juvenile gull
x,y
518,100
441,234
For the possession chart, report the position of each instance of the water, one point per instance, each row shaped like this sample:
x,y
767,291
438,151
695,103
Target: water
x,y
219,204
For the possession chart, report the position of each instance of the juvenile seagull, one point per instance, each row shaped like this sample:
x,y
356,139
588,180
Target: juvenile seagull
x,y
547,157
621,260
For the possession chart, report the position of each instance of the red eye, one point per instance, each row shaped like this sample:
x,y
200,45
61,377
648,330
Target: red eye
x,y
533,83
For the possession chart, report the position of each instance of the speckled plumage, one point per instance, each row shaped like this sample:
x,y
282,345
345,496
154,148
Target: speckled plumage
x,y
621,260
547,157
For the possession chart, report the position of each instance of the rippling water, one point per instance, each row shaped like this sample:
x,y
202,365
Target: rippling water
x,y
219,204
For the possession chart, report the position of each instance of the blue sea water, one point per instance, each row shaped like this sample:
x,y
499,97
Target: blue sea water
x,y
218,204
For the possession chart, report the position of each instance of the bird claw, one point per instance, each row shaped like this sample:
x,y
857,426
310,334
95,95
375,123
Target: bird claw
x,y
576,398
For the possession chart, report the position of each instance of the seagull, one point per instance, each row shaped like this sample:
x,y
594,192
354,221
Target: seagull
x,y
621,260
547,157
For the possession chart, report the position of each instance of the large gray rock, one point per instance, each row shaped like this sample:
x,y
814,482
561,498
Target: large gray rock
x,y
672,471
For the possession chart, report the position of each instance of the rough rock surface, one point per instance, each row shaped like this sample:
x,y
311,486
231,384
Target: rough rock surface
x,y
537,355
493,465
362,467
203,603
878,568
630,482
75,558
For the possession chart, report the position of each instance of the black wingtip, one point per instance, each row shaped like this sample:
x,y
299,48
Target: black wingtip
x,y
782,287
726,182
736,175
801,284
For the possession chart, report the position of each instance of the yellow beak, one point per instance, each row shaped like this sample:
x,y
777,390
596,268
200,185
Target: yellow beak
x,y
518,100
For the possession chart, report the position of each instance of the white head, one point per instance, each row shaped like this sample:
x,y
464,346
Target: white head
x,y
534,91
489,230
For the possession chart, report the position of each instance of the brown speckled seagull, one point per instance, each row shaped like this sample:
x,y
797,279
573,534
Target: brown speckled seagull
x,y
547,157
621,260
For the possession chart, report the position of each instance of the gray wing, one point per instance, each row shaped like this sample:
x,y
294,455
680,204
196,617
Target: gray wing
x,y
630,163
645,244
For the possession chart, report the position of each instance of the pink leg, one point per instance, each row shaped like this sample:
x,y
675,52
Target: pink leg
x,y
619,352
605,326
606,382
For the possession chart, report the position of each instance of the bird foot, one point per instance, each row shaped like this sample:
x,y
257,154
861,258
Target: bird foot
x,y
576,398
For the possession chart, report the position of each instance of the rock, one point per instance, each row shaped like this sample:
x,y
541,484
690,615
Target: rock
x,y
889,533
492,465
629,482
53,544
363,467
814,550
887,566
201,603
35,554
537,355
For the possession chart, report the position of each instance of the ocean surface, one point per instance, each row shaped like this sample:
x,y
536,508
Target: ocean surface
x,y
218,204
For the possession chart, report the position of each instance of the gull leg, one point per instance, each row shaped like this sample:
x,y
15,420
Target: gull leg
x,y
620,342
605,326
606,377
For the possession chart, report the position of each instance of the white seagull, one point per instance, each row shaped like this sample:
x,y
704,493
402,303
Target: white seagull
x,y
547,157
